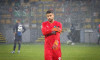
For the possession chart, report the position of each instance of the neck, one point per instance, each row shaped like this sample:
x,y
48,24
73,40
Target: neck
x,y
51,21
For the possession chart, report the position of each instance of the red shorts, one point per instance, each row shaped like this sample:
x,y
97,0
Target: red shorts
x,y
51,54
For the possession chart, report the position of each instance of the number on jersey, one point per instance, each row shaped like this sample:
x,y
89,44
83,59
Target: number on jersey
x,y
20,28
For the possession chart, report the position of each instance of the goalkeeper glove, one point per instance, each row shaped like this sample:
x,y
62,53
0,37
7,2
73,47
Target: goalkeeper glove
x,y
55,45
57,29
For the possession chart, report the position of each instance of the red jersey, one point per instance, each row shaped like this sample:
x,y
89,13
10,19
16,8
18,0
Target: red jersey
x,y
47,32
50,39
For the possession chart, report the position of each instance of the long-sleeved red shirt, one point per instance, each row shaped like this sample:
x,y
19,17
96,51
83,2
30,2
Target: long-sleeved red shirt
x,y
47,32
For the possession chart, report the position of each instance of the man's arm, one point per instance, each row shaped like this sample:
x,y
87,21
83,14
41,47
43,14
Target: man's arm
x,y
56,42
45,30
58,28
24,29
14,29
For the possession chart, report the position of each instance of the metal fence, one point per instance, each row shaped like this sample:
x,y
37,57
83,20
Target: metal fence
x,y
84,14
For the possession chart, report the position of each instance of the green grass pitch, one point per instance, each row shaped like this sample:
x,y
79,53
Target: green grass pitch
x,y
36,52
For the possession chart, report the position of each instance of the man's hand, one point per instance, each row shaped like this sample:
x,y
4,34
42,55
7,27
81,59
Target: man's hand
x,y
54,29
55,45
57,29
14,33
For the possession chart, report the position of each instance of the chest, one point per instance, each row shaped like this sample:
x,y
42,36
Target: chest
x,y
51,25
19,27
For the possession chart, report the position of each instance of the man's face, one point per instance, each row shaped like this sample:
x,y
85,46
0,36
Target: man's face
x,y
17,21
50,17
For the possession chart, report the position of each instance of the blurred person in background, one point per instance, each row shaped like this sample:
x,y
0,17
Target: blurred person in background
x,y
18,29
71,35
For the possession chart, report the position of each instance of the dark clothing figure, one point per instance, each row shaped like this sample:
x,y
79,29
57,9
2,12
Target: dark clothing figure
x,y
18,29
72,33
69,36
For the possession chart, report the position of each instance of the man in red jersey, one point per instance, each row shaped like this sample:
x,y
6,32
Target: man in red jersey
x,y
51,29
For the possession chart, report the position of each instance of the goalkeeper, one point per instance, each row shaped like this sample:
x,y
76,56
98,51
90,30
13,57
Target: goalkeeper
x,y
51,29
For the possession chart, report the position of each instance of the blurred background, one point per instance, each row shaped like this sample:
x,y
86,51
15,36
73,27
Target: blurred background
x,y
84,15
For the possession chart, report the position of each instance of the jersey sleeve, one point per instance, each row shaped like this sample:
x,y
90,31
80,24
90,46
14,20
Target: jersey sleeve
x,y
14,28
60,26
24,29
45,30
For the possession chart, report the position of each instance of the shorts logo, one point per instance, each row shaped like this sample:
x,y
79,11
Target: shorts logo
x,y
59,58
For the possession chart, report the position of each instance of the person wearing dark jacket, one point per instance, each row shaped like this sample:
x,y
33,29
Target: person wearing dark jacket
x,y
18,29
72,34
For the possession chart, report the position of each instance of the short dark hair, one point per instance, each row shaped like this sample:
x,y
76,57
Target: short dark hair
x,y
49,11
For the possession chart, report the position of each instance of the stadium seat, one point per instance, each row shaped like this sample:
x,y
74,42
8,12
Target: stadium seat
x,y
2,38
